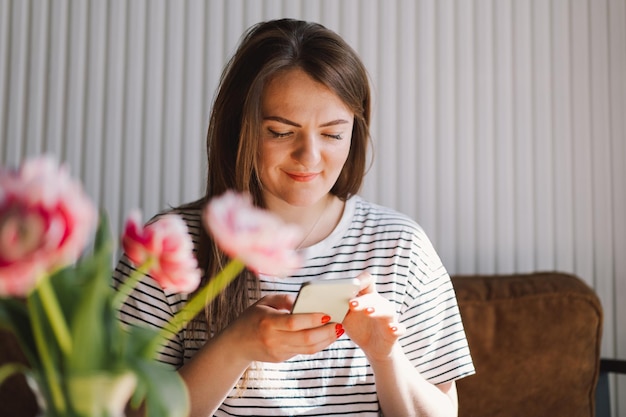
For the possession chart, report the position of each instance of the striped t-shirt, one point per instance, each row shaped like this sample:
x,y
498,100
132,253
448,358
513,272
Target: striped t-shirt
x,y
338,380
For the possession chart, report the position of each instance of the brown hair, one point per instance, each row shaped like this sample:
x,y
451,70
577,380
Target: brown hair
x,y
232,139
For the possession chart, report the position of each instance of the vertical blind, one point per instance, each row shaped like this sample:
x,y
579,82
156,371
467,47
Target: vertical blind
x,y
498,125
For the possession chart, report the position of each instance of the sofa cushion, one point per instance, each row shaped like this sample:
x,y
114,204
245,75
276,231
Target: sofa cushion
x,y
535,341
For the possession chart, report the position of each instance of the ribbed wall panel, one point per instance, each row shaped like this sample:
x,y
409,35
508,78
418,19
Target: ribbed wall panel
x,y
498,125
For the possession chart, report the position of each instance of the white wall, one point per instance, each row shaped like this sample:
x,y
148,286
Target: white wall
x,y
499,124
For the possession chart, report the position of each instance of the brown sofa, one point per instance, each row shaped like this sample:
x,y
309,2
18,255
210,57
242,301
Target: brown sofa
x,y
16,399
535,341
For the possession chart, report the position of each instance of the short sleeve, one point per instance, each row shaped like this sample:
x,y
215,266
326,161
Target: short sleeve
x,y
435,341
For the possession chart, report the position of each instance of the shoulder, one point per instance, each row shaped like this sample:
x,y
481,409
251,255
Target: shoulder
x,y
372,215
192,216
384,224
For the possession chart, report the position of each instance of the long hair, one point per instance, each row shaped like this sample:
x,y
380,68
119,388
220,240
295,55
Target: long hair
x,y
265,50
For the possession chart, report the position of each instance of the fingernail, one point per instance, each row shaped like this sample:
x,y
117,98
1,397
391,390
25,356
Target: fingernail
x,y
370,310
393,329
354,303
325,319
339,330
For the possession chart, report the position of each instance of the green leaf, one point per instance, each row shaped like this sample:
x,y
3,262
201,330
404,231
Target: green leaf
x,y
70,282
116,336
68,288
48,352
103,235
140,342
139,355
91,316
166,393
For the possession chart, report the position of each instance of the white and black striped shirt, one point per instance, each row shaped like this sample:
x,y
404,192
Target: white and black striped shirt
x,y
338,380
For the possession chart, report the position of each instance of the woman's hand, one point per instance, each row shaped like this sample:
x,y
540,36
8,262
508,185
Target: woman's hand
x,y
267,332
264,332
372,322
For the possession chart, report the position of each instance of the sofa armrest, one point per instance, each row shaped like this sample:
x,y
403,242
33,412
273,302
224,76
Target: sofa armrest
x,y
535,342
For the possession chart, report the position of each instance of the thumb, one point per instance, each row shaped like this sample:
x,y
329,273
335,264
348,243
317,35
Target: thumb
x,y
367,283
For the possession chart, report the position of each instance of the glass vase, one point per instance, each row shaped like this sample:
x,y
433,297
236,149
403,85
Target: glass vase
x,y
99,394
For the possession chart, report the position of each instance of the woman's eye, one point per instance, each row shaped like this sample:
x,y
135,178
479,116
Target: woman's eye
x,y
337,136
276,134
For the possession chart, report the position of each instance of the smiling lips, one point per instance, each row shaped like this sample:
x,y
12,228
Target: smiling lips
x,y
302,176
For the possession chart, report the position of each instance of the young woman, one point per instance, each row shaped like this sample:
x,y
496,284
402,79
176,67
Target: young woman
x,y
290,125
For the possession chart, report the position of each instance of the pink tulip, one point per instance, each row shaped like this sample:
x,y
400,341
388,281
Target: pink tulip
x,y
166,244
255,236
45,221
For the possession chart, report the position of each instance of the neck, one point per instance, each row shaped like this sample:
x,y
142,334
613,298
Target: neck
x,y
316,221
299,215
314,235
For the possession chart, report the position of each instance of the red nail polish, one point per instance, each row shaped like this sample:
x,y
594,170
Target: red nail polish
x,y
339,330
325,319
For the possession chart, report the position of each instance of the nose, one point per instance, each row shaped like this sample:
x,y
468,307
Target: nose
x,y
307,151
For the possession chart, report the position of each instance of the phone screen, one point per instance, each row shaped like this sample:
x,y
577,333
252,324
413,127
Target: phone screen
x,y
329,296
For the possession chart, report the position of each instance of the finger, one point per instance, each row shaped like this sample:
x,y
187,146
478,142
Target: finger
x,y
313,340
278,301
359,304
302,321
367,283
315,337
371,303
397,329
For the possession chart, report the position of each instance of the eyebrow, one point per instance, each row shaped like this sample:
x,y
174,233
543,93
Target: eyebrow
x,y
291,123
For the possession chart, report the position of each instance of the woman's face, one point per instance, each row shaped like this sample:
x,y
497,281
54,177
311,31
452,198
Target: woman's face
x,y
305,139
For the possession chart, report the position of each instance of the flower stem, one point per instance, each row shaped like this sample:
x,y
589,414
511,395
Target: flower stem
x,y
197,303
55,316
49,371
127,286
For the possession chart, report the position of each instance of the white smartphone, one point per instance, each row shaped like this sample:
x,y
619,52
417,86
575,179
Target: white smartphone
x,y
328,296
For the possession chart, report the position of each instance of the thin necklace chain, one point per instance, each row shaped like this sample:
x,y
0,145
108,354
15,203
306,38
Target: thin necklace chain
x,y
314,224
